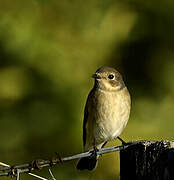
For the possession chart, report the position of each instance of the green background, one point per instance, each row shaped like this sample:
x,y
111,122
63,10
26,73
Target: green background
x,y
48,51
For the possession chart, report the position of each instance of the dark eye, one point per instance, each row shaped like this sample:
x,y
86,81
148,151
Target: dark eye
x,y
111,76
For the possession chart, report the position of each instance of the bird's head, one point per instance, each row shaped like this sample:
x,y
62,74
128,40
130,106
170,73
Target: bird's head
x,y
108,79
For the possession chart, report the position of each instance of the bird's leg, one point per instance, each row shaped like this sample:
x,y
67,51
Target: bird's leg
x,y
95,148
104,144
122,141
94,152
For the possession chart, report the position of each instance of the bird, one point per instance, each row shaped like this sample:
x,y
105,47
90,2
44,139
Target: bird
x,y
106,113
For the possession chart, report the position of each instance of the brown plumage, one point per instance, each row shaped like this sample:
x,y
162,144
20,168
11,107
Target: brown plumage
x,y
106,113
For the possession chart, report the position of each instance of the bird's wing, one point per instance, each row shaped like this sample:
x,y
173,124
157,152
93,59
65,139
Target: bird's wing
x,y
84,124
86,120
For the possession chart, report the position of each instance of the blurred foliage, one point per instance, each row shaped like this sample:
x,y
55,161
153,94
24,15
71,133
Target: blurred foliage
x,y
49,49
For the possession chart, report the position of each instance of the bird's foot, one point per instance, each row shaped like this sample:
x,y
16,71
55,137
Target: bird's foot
x,y
94,152
122,141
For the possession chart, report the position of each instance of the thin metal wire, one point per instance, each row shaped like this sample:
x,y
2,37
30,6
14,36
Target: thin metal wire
x,y
7,170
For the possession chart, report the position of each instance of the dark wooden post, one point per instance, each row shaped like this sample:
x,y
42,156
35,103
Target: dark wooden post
x,y
148,160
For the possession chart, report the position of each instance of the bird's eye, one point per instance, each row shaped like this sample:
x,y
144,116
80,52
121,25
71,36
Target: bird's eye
x,y
111,76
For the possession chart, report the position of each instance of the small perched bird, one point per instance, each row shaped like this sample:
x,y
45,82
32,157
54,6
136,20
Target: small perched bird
x,y
106,113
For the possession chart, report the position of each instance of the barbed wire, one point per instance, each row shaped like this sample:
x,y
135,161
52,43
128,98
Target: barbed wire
x,y
16,170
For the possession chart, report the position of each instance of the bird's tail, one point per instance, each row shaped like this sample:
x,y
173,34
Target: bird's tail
x,y
88,163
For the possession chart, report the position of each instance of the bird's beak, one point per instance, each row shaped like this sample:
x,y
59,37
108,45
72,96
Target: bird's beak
x,y
96,76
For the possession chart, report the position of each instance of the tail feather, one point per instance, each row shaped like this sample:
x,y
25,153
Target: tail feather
x,y
88,163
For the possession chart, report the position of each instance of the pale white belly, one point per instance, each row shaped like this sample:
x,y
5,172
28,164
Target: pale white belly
x,y
112,117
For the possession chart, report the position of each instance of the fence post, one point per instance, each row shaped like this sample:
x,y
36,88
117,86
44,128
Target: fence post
x,y
148,160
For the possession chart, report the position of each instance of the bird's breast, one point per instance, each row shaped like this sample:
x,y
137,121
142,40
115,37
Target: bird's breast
x,y
111,113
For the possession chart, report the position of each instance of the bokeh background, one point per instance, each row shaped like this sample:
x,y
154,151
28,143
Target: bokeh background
x,y
48,51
